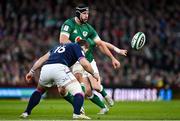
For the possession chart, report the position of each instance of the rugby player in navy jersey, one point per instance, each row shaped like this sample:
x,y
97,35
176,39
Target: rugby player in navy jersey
x,y
55,70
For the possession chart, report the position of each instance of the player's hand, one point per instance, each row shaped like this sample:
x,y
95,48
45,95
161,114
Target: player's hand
x,y
123,52
116,64
29,77
120,51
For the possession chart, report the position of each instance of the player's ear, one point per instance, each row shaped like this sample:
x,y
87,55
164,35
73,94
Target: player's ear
x,y
87,45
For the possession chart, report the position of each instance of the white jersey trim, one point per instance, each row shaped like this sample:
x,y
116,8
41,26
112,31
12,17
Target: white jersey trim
x,y
65,33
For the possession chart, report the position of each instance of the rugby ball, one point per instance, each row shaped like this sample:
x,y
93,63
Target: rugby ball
x,y
138,40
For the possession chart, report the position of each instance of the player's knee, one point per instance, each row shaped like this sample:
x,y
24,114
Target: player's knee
x,y
74,88
98,88
40,89
62,91
79,77
88,92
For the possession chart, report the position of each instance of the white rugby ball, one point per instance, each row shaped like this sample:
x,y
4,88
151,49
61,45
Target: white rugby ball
x,y
138,40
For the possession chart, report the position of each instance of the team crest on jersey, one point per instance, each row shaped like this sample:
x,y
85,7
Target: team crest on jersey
x,y
75,31
85,33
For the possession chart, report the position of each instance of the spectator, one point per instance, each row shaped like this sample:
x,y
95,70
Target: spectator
x,y
29,28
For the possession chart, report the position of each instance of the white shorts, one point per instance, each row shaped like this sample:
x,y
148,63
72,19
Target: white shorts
x,y
55,74
77,68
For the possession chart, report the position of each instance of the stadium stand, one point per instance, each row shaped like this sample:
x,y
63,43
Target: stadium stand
x,y
28,28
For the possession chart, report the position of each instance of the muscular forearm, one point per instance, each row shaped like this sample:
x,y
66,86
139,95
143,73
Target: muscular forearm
x,y
40,62
112,47
116,49
37,65
86,65
105,50
88,68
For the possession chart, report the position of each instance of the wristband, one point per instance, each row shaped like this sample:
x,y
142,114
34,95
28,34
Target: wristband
x,y
93,73
116,49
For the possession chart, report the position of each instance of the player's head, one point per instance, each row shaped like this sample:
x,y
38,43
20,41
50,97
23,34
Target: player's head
x,y
82,13
84,44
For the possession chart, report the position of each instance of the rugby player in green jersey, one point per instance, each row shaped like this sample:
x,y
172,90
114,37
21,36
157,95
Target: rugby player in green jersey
x,y
75,29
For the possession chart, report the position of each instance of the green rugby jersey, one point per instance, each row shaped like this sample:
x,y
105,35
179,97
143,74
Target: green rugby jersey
x,y
84,31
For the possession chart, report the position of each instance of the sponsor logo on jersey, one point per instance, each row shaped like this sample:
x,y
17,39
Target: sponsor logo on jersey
x,y
85,33
66,28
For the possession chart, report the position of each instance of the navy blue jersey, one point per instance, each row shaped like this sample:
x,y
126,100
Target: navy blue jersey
x,y
66,54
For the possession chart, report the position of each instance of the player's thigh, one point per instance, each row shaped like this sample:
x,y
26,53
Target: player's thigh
x,y
62,91
45,79
41,88
78,71
55,74
64,78
74,87
77,68
94,83
67,82
79,77
95,68
61,75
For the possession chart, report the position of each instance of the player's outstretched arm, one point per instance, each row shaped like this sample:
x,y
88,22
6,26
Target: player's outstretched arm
x,y
40,61
116,49
102,46
36,65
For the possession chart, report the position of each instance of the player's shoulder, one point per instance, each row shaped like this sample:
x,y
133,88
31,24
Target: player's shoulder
x,y
90,27
72,44
87,24
75,45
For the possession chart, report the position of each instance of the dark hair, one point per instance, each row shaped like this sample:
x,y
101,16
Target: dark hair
x,y
83,42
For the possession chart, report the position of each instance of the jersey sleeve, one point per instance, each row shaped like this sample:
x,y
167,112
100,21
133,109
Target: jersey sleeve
x,y
67,27
93,34
78,52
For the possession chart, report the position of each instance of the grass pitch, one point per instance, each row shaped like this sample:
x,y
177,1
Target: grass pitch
x,y
59,109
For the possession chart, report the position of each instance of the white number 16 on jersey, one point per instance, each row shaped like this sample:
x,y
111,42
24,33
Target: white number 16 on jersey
x,y
60,49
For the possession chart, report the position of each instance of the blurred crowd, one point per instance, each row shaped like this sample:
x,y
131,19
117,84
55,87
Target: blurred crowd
x,y
28,28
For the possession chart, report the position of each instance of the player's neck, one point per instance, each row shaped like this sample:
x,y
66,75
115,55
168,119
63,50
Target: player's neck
x,y
77,21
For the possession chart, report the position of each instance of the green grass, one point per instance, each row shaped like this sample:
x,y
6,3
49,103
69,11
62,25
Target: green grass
x,y
61,110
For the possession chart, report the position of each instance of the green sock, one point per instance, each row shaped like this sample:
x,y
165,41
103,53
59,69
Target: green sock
x,y
103,92
83,87
69,97
95,99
